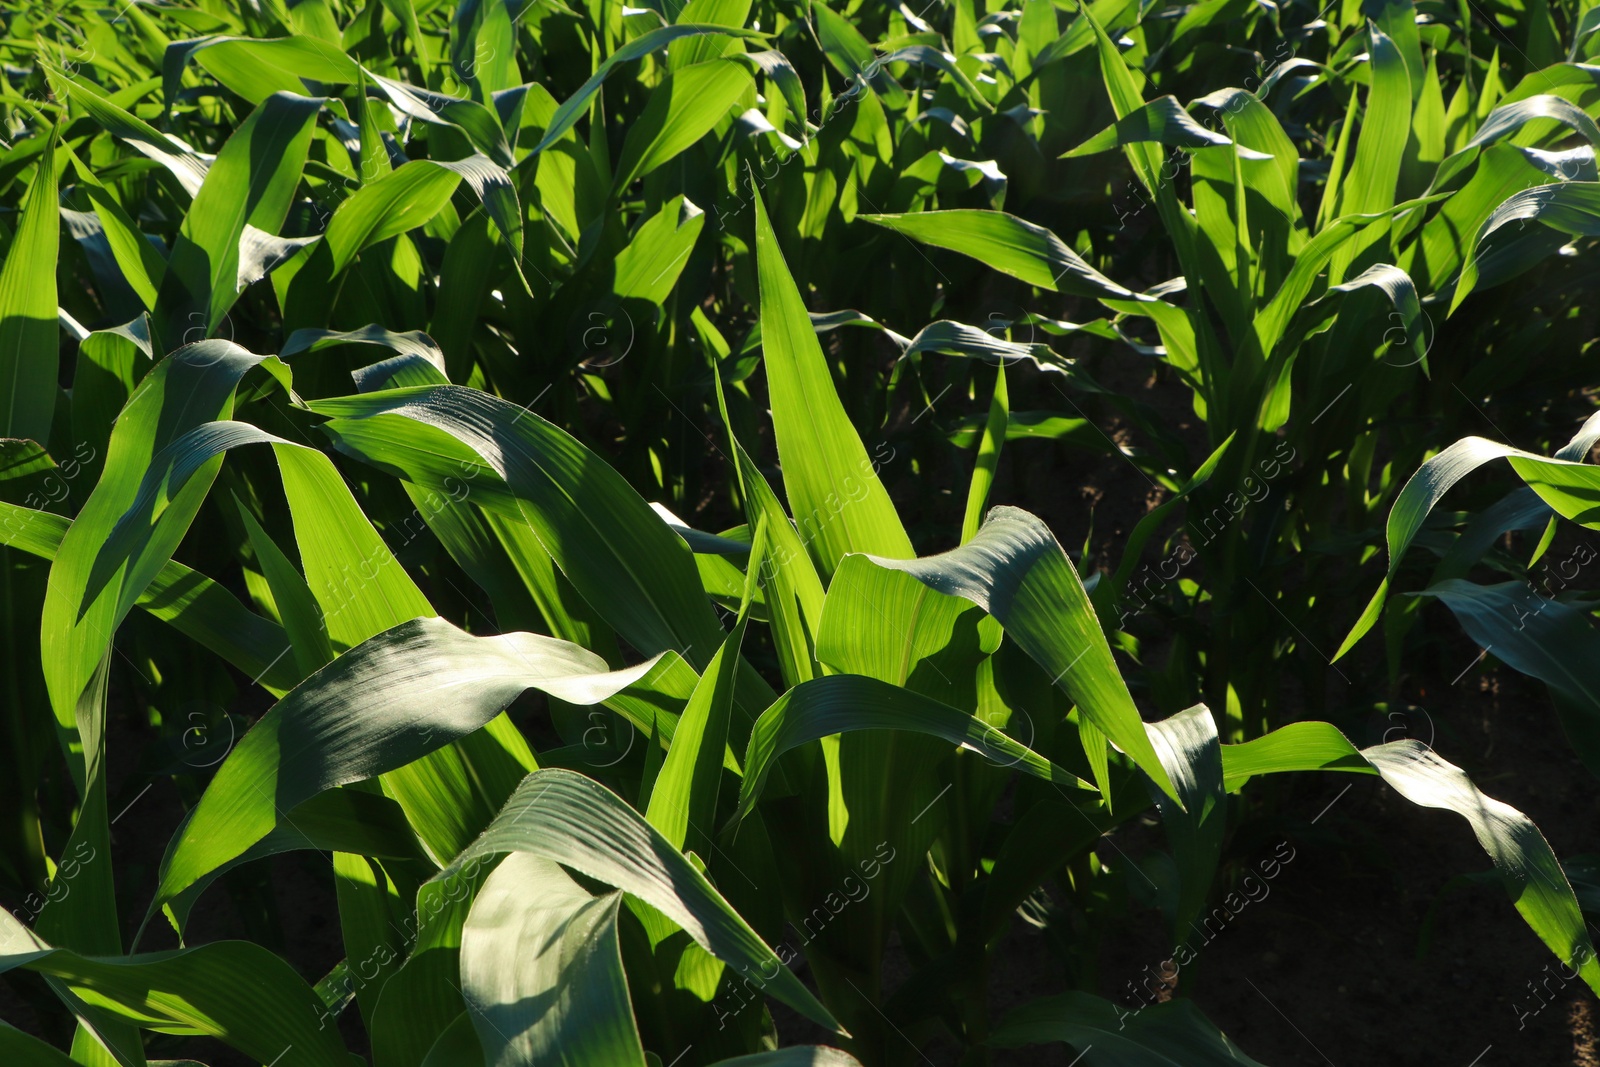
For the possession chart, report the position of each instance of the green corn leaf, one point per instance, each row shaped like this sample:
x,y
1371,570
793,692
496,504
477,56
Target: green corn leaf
x,y
1540,636
959,339
621,558
411,343
995,434
458,1043
252,183
80,627
1188,746
1335,238
340,820
794,1056
478,123
682,109
778,70
790,584
1016,570
683,802
649,267
338,546
562,816
483,46
1509,119
383,704
405,199
1384,129
191,603
1251,123
1566,207
541,970
845,703
1569,487
1523,861
231,990
1007,244
832,484
255,68
28,330
185,165
296,606
571,109
1161,121
28,1051
1299,746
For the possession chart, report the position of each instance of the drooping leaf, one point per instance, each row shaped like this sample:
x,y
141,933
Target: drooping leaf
x,y
383,704
562,816
542,972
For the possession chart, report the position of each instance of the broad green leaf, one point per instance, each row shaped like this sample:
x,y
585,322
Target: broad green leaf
x,y
832,485
256,69
479,123
1569,487
1016,570
562,816
483,46
1384,129
1566,207
1538,635
28,1051
184,163
683,802
383,704
682,109
541,970
1007,244
411,343
187,600
190,387
1272,323
573,108
794,1056
844,703
28,330
1189,750
789,581
1509,119
649,267
959,339
995,433
252,183
621,558
1522,858
1299,746
458,1043
1161,121
405,199
340,820
302,619
235,991
1523,861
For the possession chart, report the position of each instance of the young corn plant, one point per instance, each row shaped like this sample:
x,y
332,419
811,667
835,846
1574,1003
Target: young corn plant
x,y
595,785
1302,324
1536,622
495,903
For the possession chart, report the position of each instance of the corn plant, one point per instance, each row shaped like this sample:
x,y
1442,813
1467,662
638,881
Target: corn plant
x,y
359,406
1537,621
1300,322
